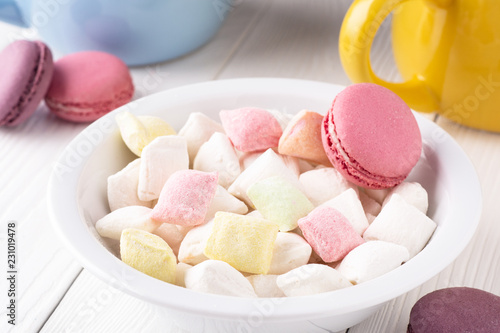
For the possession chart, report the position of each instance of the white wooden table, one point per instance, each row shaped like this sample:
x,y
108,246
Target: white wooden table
x,y
261,38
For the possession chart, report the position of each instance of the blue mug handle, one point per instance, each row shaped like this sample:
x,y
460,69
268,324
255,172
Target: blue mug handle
x,y
11,13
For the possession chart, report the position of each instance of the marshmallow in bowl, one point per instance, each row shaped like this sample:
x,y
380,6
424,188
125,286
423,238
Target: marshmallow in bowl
x,y
290,251
372,259
192,247
302,138
217,154
371,206
159,160
279,201
185,198
137,217
413,193
251,129
329,233
197,130
282,117
171,234
323,184
226,202
265,285
180,274
401,223
349,205
377,194
311,279
122,187
148,253
266,165
245,242
218,277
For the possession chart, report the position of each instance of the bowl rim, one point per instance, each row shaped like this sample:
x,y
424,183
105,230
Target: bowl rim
x,y
103,264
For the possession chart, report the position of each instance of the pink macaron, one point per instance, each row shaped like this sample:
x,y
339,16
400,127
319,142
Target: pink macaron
x,y
371,136
26,71
87,85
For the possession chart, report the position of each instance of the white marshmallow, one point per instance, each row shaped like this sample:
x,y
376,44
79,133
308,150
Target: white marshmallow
x,y
218,277
256,213
305,166
293,163
377,195
311,279
122,187
171,234
246,159
267,165
403,224
282,118
348,204
225,202
372,259
290,251
265,285
197,130
323,184
218,154
413,193
180,274
161,158
193,244
137,217
371,206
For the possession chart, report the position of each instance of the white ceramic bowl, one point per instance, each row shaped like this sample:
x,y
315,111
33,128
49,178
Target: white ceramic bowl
x,y
77,198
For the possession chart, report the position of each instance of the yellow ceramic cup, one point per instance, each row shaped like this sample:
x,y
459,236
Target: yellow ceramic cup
x,y
448,53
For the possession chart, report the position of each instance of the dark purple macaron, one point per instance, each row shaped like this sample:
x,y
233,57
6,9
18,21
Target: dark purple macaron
x,y
26,71
456,310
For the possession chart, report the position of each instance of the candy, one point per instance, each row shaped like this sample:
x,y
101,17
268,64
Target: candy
x,y
372,259
403,224
138,132
217,154
371,207
185,198
122,187
265,285
290,251
245,242
267,165
148,254
311,279
224,201
197,130
251,129
137,217
302,138
218,277
348,204
171,234
323,184
329,233
279,201
159,160
180,274
191,250
413,193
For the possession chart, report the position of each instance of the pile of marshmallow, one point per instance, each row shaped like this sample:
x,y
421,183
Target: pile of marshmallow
x,y
252,207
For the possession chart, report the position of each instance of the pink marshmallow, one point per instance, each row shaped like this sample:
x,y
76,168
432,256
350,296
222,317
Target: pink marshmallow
x,y
186,197
251,129
329,233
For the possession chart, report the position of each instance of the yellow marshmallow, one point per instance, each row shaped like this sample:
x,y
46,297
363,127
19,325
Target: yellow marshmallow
x,y
244,242
138,132
149,254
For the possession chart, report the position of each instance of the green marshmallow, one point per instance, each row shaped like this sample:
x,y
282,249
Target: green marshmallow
x,y
280,202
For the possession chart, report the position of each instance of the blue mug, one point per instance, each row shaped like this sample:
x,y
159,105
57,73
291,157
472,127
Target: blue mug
x,y
138,31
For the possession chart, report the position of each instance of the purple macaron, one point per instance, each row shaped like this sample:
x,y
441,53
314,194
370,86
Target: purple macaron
x,y
26,71
453,310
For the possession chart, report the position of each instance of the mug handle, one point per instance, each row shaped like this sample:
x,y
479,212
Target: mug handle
x,y
358,30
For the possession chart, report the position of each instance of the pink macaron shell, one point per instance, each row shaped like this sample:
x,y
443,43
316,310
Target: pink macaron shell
x,y
185,198
371,136
251,129
26,74
87,85
329,233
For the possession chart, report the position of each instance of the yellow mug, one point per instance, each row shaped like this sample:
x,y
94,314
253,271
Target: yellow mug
x,y
447,51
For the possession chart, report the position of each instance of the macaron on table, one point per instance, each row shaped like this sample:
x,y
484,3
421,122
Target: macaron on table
x,y
59,290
